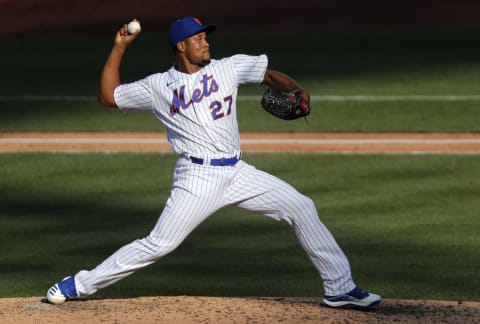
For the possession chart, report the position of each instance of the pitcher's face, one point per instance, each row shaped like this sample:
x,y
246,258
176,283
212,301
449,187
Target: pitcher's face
x,y
197,49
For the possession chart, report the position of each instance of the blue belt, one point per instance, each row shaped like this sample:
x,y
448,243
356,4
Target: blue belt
x,y
217,162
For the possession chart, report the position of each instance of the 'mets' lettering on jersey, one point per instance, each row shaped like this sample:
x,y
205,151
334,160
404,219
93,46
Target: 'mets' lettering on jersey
x,y
209,86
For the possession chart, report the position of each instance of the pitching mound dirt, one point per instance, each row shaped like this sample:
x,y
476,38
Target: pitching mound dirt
x,y
186,309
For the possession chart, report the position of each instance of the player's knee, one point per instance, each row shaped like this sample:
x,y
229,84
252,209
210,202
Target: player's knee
x,y
301,208
159,247
306,205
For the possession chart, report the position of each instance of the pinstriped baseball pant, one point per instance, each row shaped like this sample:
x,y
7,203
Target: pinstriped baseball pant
x,y
197,192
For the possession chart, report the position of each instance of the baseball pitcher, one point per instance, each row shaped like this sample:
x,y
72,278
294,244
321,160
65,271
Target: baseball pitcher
x,y
196,101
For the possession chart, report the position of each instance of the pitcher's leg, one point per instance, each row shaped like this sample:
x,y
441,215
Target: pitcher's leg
x,y
277,199
196,194
322,249
173,226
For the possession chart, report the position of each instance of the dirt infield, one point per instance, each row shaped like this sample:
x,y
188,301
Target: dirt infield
x,y
189,309
410,143
218,310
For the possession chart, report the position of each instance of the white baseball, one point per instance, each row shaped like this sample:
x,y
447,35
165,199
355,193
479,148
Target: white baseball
x,y
133,27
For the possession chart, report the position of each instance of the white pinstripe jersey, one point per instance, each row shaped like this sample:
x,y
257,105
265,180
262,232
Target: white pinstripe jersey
x,y
199,109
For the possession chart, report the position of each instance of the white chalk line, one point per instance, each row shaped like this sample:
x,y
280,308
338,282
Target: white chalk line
x,y
361,97
77,140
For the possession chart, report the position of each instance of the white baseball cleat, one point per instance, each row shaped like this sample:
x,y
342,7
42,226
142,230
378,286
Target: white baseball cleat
x,y
62,291
358,298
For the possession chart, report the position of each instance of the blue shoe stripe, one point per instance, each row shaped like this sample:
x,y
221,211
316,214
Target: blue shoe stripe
x,y
67,288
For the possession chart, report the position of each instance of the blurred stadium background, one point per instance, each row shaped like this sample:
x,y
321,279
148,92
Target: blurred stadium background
x,y
39,17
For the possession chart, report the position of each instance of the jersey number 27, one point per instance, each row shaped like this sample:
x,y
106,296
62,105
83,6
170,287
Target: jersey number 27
x,y
217,107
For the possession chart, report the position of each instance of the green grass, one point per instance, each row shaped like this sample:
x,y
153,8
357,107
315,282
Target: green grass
x,y
377,63
409,225
401,116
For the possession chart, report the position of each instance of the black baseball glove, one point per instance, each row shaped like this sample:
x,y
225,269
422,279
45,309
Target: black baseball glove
x,y
286,106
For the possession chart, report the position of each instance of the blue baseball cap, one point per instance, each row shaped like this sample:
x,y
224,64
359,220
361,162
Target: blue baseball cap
x,y
186,27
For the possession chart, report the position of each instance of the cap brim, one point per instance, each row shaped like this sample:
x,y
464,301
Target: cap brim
x,y
207,29
210,28
177,35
